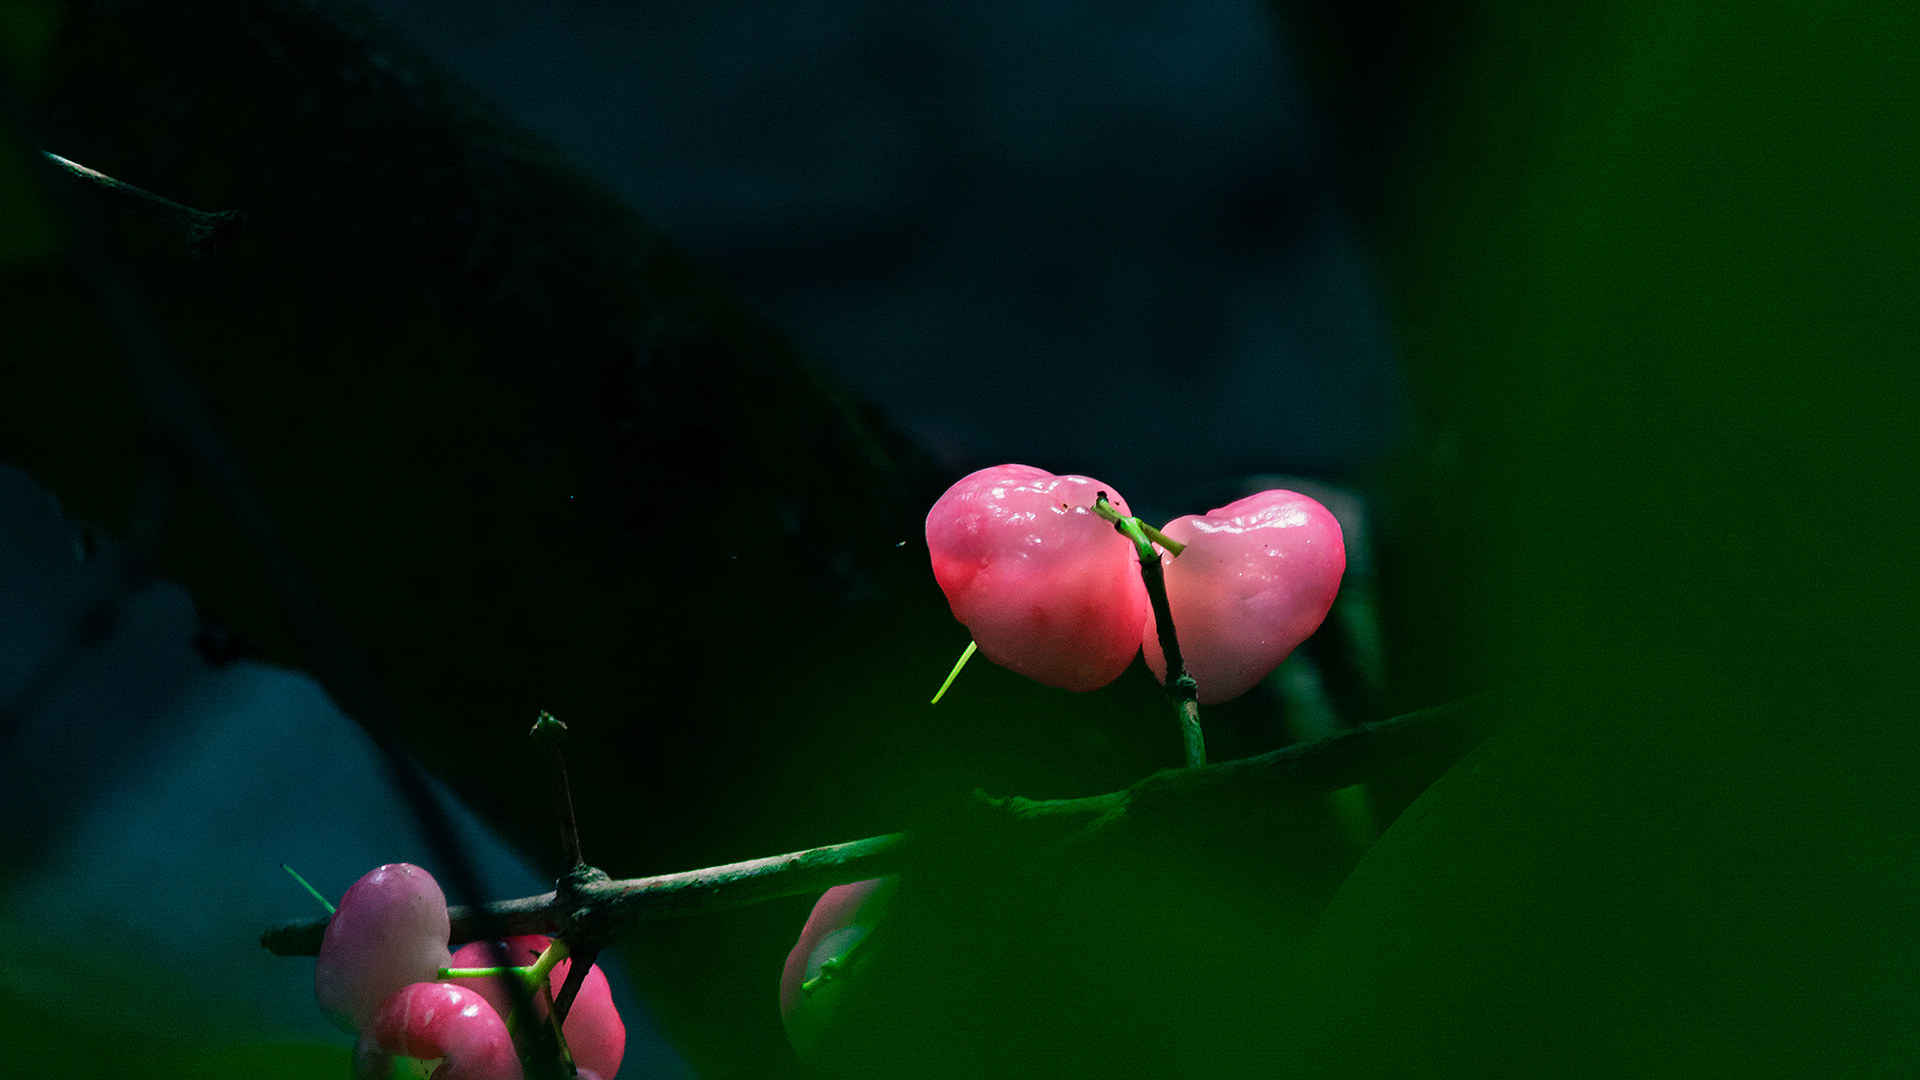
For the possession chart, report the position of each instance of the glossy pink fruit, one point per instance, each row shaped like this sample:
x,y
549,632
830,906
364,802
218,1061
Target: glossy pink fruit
x,y
1255,581
428,1020
596,1035
1047,588
390,930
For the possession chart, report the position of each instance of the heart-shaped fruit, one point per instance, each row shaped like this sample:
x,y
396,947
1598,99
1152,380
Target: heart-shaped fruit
x,y
1255,580
1047,588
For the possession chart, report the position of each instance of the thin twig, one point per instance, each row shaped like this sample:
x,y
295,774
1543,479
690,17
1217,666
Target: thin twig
x,y
608,907
691,892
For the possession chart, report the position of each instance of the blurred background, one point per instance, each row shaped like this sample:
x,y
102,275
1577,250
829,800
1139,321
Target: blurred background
x,y
605,359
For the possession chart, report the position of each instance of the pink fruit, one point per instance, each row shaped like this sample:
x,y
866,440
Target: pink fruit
x,y
596,1035
390,930
1255,580
438,1020
1047,588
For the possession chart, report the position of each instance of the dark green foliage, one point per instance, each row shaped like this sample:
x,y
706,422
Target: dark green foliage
x,y
1656,273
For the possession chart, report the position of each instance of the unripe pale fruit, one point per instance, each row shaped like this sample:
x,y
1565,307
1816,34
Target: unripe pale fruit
x,y
428,1020
596,1036
1046,587
1256,579
390,930
839,922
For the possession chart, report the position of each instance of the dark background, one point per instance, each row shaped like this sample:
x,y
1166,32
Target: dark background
x,y
606,361
1140,204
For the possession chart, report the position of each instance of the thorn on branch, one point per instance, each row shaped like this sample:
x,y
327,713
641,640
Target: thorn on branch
x,y
551,733
200,226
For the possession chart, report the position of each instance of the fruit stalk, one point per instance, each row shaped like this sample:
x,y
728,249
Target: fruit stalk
x,y
1181,689
551,1041
570,989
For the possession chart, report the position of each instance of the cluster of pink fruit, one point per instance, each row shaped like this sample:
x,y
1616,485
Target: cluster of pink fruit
x,y
382,972
1050,590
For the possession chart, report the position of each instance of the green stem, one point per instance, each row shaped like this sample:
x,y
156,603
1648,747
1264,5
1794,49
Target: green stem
x,y
1181,688
836,966
543,967
1105,509
554,1022
1129,527
478,973
534,977
295,875
1174,547
539,982
965,655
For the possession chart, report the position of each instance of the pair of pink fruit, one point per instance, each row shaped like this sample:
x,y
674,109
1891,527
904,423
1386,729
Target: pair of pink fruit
x,y
1050,590
377,974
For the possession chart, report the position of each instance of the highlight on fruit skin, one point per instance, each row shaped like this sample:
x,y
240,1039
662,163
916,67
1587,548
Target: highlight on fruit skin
x,y
390,929
596,1035
1045,586
1256,579
428,1020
